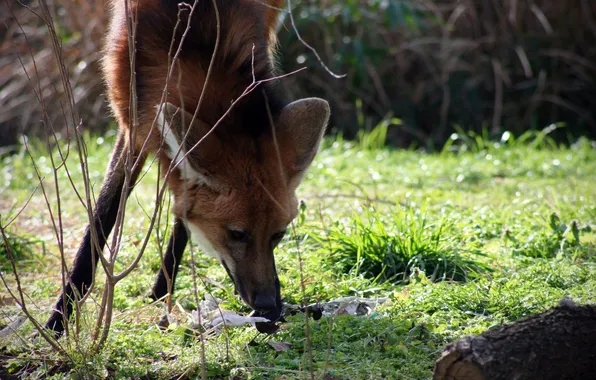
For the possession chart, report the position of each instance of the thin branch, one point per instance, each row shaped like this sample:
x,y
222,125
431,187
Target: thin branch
x,y
22,208
247,91
20,300
312,49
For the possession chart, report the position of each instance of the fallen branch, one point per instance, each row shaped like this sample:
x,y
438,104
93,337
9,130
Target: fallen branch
x,y
557,344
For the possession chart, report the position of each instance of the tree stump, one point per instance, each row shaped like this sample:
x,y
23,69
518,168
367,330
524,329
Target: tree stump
x,y
557,344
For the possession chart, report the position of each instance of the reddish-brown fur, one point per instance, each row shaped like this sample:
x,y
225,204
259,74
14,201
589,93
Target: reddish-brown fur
x,y
244,53
237,190
243,23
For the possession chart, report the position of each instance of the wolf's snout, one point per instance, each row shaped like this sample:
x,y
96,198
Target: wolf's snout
x,y
264,301
269,306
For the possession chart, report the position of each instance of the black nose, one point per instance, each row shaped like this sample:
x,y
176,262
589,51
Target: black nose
x,y
264,302
269,307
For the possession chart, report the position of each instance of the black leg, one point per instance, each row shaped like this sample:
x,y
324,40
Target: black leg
x,y
171,260
104,218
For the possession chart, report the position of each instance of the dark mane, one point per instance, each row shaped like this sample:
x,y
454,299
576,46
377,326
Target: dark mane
x,y
244,52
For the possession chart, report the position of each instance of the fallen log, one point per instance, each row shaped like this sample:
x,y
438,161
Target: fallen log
x,y
557,344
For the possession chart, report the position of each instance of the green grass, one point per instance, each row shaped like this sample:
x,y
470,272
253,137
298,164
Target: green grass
x,y
390,247
459,241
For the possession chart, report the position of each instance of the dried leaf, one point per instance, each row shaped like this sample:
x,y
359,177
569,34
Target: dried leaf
x,y
279,346
11,328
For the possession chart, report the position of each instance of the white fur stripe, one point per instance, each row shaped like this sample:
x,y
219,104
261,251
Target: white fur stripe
x,y
201,239
176,154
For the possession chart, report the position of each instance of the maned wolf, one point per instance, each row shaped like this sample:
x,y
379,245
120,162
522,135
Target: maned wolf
x,y
235,193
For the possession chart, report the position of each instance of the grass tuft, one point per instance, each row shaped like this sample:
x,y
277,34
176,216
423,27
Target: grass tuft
x,y
395,247
22,247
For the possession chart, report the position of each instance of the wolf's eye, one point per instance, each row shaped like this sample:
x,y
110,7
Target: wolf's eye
x,y
276,237
238,236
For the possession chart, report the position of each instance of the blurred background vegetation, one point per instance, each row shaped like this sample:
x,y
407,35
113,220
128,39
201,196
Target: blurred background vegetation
x,y
424,69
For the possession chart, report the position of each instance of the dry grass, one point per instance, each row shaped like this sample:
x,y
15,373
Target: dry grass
x,y
29,74
493,65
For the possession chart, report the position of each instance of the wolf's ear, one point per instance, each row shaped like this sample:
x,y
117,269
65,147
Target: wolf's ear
x,y
300,127
179,137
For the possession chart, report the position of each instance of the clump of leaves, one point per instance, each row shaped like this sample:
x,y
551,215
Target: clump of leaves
x,y
553,239
21,247
399,247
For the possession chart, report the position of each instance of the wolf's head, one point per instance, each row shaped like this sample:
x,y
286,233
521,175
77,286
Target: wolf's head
x,y
237,195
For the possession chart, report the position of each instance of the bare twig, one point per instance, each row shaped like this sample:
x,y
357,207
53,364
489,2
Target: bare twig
x,y
309,47
20,299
